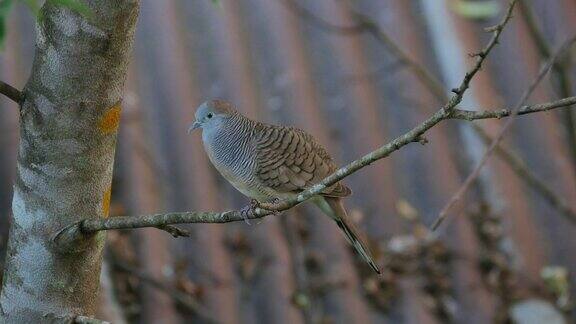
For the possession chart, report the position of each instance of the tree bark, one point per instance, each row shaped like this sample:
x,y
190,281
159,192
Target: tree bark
x,y
69,116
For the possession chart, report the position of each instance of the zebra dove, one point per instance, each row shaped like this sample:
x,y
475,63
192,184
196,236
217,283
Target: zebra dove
x,y
268,162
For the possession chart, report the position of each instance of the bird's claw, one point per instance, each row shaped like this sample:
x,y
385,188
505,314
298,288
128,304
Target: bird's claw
x,y
249,211
254,203
246,212
270,206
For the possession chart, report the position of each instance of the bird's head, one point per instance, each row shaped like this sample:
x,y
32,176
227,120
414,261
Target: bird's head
x,y
211,114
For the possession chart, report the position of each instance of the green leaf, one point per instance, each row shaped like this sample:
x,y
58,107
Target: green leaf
x,y
217,3
476,9
5,6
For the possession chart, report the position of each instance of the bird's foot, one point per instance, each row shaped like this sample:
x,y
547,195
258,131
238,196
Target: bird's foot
x,y
247,212
276,201
254,204
271,206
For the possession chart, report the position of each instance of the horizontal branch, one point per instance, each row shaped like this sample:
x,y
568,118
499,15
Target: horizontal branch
x,y
489,114
73,233
159,220
11,92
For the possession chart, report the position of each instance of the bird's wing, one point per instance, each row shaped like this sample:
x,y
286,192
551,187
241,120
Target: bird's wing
x,y
290,160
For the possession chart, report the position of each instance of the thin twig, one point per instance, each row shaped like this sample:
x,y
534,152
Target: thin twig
x,y
475,115
518,165
539,39
11,92
481,56
436,87
514,112
367,25
563,84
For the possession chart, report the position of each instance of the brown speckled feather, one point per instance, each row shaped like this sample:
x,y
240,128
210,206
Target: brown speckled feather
x,y
290,160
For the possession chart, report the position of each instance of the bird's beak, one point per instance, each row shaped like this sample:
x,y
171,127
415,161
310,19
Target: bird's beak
x,y
195,125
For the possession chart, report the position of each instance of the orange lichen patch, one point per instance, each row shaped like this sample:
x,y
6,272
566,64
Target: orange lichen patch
x,y
109,122
106,202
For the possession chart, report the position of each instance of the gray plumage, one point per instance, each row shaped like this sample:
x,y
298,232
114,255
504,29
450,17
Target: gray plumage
x,y
266,162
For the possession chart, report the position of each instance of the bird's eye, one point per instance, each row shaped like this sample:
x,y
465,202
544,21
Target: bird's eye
x,y
209,115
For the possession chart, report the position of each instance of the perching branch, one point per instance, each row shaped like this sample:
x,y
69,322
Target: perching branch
x,y
11,92
77,231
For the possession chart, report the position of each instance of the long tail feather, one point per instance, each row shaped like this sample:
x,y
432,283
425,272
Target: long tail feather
x,y
335,209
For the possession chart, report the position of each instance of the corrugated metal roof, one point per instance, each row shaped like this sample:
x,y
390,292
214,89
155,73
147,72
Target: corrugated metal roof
x,y
350,92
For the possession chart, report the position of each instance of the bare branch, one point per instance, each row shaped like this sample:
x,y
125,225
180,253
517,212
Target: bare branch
x,y
563,84
475,115
535,32
410,136
514,112
89,226
436,87
11,92
423,74
481,56
546,192
159,220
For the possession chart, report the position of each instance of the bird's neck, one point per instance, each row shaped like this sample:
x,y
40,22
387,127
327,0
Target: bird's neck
x,y
229,144
235,128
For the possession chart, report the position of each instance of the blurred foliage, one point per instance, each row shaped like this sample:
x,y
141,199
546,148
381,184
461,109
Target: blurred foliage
x,y
78,6
485,9
5,6
557,281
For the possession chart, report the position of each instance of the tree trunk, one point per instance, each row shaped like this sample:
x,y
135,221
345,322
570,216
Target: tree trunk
x,y
67,141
